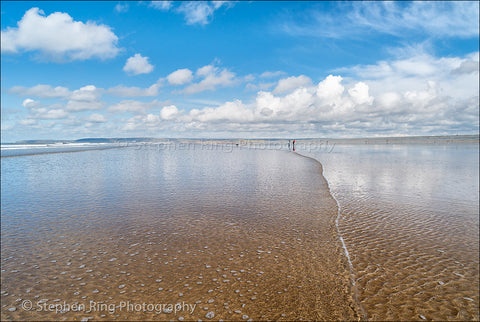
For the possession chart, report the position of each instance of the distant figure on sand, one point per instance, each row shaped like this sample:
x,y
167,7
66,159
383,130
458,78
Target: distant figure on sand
x,y
293,145
288,145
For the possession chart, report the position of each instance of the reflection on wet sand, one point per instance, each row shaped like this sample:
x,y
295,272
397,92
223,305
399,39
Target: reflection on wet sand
x,y
409,218
241,235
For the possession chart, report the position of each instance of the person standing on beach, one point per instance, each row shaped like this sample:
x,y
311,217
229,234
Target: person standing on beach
x,y
293,144
288,145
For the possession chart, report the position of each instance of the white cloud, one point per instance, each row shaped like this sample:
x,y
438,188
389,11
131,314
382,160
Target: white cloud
x,y
78,106
467,67
212,78
199,12
260,86
44,113
59,37
194,12
161,5
249,78
455,19
330,89
41,91
402,19
28,122
84,99
205,70
360,95
137,64
234,111
133,91
268,74
169,112
145,122
414,72
133,106
419,94
121,7
97,118
400,100
29,103
86,93
180,77
290,83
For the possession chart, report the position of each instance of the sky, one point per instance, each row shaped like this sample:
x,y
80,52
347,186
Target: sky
x,y
225,69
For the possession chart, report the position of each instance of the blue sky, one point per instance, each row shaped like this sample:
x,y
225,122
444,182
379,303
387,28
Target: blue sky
x,y
238,69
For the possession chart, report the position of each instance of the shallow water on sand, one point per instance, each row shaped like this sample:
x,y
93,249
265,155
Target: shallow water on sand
x,y
409,218
116,234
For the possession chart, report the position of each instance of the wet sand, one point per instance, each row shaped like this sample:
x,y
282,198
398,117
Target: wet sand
x,y
241,235
409,219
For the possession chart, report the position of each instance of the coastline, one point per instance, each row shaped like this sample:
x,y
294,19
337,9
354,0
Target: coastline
x,y
360,311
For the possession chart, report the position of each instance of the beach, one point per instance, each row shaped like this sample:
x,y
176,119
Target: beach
x,y
189,230
238,234
409,219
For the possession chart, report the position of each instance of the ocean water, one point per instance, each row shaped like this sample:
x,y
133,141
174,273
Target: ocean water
x,y
14,149
149,232
409,217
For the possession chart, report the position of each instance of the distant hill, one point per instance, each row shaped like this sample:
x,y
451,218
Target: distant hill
x,y
88,140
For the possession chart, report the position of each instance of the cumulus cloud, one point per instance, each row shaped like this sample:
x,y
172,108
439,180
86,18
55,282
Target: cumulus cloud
x,y
29,103
359,93
145,122
180,77
97,118
41,91
169,112
454,75
205,70
234,111
86,93
133,106
84,99
134,91
330,89
398,99
44,113
58,37
28,122
467,67
38,112
419,94
78,106
138,64
290,83
213,77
